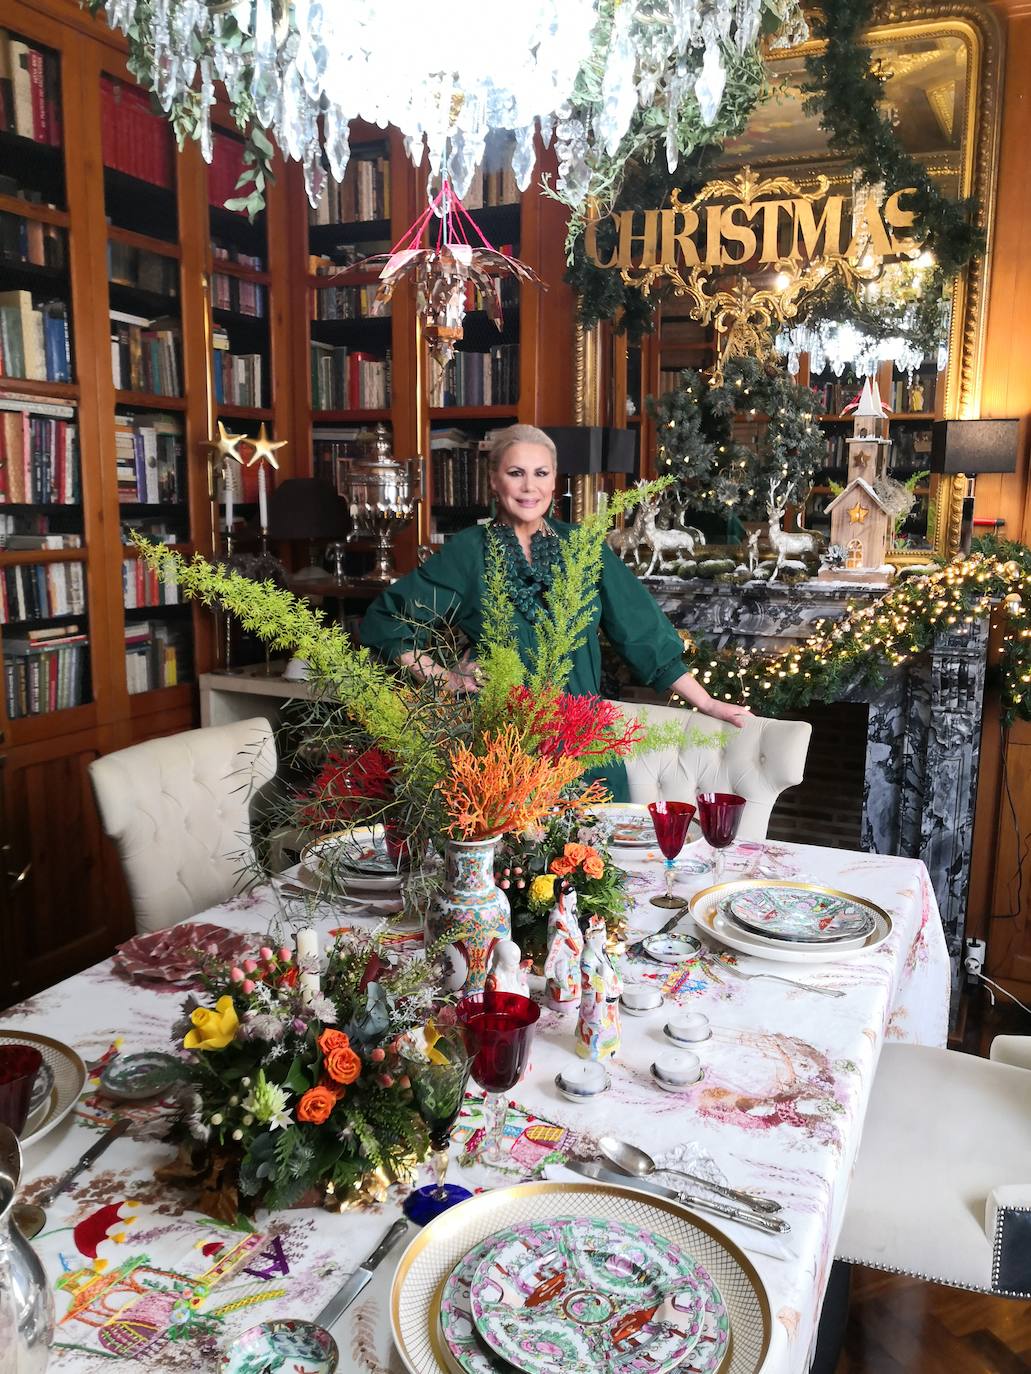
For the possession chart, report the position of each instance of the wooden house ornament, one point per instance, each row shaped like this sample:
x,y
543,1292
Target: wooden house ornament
x,y
861,522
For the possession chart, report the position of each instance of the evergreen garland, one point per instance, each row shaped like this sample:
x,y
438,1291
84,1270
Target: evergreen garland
x,y
866,643
696,444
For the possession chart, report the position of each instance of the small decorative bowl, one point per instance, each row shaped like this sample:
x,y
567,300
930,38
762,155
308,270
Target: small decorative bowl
x,y
679,1068
688,1028
674,1087
583,1082
640,999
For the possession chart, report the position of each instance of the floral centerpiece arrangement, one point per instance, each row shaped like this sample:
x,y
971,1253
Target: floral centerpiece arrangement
x,y
568,853
294,1087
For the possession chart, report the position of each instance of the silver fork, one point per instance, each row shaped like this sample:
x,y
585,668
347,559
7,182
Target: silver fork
x,y
776,978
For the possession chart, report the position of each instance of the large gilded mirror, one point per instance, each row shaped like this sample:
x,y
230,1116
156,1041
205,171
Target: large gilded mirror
x,y
940,68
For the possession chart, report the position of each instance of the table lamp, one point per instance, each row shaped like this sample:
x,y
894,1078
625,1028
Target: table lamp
x,y
969,447
307,508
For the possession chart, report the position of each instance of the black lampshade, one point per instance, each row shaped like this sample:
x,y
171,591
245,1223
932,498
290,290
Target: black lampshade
x,y
972,446
579,448
306,508
619,450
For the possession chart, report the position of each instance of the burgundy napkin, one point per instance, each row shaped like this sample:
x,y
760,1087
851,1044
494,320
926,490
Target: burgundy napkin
x,y
171,956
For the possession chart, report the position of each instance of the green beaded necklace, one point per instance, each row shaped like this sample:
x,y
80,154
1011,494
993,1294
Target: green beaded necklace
x,y
528,580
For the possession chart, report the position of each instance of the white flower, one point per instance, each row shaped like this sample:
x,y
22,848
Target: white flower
x,y
267,1103
322,1008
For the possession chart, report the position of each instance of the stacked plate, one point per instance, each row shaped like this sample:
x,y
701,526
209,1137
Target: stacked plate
x,y
354,860
628,824
789,921
60,1080
565,1278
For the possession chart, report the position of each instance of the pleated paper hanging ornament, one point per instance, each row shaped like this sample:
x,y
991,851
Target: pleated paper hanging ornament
x,y
448,275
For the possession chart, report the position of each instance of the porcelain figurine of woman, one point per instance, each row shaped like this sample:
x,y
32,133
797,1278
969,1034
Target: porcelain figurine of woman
x,y
598,1028
565,948
506,973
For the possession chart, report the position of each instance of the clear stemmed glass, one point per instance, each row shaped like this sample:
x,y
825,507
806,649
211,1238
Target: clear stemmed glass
x,y
438,1089
719,815
498,1029
670,819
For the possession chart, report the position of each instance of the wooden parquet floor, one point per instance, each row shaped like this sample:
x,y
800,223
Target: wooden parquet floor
x,y
902,1326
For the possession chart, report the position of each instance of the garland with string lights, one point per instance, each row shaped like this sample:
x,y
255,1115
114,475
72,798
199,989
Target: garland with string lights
x,y
866,643
695,433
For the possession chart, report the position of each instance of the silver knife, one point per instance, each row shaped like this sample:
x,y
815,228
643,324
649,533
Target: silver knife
x,y
342,1300
772,1225
84,1161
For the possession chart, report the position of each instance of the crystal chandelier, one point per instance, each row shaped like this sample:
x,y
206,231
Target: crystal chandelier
x,y
302,69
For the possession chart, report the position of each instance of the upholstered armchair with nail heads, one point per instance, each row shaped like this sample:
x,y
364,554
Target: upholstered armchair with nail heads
x,y
178,809
942,1185
758,762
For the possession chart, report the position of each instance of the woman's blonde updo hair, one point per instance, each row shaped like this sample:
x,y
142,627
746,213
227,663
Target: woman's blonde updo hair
x,y
503,439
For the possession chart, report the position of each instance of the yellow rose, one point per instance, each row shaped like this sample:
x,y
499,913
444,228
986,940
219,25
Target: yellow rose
x,y
213,1027
542,889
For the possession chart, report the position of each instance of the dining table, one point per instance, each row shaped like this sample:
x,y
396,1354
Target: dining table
x,y
778,1111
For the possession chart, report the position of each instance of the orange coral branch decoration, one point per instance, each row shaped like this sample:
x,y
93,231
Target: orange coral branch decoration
x,y
506,789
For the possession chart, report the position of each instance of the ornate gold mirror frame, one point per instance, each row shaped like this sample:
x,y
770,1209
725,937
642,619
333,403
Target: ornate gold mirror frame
x,y
978,31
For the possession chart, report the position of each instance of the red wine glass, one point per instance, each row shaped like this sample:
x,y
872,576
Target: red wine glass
x,y
719,815
670,819
498,1028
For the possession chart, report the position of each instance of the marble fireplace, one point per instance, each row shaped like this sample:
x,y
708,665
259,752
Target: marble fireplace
x,y
903,766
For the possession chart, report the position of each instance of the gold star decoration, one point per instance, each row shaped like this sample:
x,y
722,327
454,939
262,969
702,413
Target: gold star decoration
x,y
857,514
225,446
264,448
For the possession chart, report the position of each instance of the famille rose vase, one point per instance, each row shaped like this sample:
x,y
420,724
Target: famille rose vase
x,y
472,909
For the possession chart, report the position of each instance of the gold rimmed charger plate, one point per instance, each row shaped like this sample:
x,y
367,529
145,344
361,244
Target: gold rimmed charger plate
x,y
318,865
424,1267
704,909
69,1080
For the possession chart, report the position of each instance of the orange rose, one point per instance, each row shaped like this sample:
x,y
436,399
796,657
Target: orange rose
x,y
331,1040
316,1105
561,867
342,1064
576,853
594,866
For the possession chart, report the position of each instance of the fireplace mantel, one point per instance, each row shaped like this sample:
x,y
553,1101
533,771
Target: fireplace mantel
x,y
924,726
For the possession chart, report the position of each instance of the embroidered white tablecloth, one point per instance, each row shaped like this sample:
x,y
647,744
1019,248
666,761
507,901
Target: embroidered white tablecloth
x,y
780,1109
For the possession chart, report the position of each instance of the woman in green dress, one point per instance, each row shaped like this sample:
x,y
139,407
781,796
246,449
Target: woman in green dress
x,y
449,587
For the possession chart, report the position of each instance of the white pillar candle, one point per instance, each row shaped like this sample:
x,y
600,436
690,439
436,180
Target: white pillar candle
x,y
308,954
262,498
227,484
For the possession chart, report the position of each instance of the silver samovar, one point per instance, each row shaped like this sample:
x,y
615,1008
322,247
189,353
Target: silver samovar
x,y
382,495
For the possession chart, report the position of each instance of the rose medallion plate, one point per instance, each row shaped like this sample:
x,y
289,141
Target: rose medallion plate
x,y
709,913
352,859
577,1294
802,914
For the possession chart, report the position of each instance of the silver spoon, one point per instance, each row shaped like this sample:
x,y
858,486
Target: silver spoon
x,y
635,1162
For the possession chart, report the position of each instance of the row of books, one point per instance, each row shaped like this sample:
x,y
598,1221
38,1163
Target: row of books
x,y
137,267
237,378
238,294
32,241
331,447
30,91
346,379
47,674
477,379
156,655
39,591
363,194
835,395
150,459
910,451
34,339
226,169
145,586
492,187
134,139
914,395
345,302
39,453
145,354
461,476
15,538
228,252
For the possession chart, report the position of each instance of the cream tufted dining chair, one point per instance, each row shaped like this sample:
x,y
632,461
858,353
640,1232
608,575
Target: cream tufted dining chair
x,y
178,809
942,1184
759,761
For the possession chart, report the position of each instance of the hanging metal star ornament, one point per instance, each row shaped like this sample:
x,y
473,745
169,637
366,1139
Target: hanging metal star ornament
x,y
264,449
447,275
225,446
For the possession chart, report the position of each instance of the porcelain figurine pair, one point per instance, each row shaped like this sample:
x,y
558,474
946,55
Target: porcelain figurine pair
x,y
578,971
